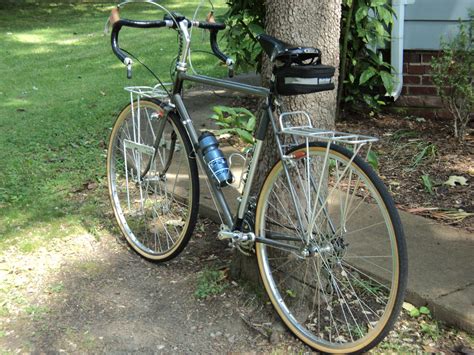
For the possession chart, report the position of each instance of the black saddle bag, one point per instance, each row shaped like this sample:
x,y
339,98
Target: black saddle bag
x,y
299,79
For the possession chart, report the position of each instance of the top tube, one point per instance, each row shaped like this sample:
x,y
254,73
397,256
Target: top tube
x,y
226,84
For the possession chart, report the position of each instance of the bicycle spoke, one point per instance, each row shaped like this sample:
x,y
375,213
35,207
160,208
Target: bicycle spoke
x,y
325,289
153,208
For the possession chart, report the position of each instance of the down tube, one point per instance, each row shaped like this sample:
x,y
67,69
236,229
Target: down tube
x,y
216,192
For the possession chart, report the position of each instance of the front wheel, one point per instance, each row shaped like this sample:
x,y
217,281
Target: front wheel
x,y
335,263
153,180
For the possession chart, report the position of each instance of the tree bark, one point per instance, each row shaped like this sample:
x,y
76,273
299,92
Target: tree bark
x,y
309,23
304,23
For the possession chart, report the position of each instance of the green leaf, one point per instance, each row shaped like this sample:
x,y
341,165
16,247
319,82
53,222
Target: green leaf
x,y
243,110
229,110
414,313
366,75
425,310
373,160
374,57
380,29
380,56
246,136
218,110
428,185
223,109
385,15
387,80
369,100
225,130
375,3
256,29
251,123
351,78
361,13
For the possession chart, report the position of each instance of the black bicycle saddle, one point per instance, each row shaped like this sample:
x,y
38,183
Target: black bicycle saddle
x,y
279,50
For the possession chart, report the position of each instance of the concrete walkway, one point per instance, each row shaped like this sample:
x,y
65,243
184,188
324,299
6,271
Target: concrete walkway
x,y
441,258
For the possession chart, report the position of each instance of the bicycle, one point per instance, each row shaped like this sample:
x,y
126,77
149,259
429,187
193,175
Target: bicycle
x,y
327,236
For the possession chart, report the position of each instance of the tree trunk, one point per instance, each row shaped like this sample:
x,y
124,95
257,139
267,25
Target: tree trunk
x,y
307,23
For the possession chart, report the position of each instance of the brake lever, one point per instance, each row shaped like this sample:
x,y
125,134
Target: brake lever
x,y
128,62
230,67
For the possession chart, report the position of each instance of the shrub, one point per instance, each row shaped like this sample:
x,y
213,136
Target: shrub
x,y
245,20
453,75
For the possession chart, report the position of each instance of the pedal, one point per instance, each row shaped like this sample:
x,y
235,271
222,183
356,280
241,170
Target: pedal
x,y
236,236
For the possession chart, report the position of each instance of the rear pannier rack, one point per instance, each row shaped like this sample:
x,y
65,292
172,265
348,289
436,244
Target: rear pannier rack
x,y
308,131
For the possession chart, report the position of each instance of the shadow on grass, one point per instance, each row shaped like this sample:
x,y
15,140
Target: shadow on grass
x,y
29,226
61,88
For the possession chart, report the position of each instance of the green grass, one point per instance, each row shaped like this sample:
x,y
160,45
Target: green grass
x,y
4,311
60,90
56,288
36,311
210,282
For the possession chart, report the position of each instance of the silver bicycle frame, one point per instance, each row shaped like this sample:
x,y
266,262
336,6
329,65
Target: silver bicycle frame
x,y
216,191
267,118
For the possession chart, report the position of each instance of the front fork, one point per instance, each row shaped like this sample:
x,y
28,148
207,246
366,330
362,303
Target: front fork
x,y
156,145
280,241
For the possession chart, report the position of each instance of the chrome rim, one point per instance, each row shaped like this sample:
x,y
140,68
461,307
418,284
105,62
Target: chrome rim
x,y
151,193
338,291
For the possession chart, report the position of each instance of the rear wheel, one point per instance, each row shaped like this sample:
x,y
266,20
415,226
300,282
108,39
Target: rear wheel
x,y
336,272
153,183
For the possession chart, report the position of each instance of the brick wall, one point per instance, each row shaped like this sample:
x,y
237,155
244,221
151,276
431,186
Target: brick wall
x,y
419,95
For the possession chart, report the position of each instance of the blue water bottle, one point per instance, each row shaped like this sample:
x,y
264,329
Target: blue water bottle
x,y
215,159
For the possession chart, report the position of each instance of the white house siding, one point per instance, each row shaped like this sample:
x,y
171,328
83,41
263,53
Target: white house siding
x,y
427,20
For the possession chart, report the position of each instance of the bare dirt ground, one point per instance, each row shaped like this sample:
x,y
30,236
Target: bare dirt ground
x,y
87,295
84,295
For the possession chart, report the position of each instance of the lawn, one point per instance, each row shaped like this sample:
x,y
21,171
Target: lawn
x,y
60,90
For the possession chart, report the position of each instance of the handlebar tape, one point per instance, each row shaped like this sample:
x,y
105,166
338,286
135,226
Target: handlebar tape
x,y
215,47
213,26
117,26
118,23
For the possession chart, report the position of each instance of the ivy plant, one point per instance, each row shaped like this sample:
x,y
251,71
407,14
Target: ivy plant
x,y
245,20
364,76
